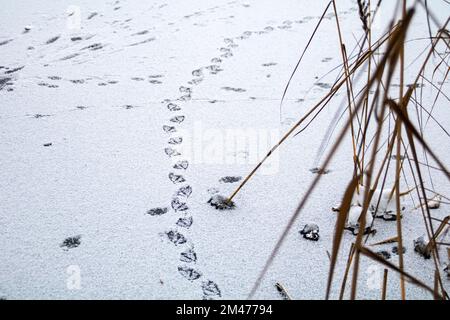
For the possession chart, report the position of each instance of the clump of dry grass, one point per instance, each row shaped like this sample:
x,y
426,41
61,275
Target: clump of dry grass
x,y
371,113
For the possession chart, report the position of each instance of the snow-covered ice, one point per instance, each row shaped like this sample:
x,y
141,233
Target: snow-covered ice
x,y
115,125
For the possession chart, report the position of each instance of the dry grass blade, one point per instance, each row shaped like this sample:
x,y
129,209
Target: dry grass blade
x,y
372,255
385,277
340,228
390,240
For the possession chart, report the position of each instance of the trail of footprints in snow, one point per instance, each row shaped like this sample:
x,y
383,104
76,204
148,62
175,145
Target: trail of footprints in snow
x,y
179,203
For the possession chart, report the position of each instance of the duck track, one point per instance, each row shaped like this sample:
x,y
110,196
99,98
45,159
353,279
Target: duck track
x,y
179,202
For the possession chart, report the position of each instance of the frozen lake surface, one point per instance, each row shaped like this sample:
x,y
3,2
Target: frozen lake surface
x,y
118,121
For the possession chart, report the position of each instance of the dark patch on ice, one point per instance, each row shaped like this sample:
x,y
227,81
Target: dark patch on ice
x,y
175,178
38,116
157,211
14,70
4,82
76,39
47,144
154,81
52,40
71,242
188,256
181,165
175,237
384,254
48,85
221,203
395,250
137,79
55,78
282,293
140,33
78,81
386,216
94,47
230,179
185,222
319,171
310,232
210,290
4,42
130,106
416,86
92,15
189,273
240,90
70,56
269,64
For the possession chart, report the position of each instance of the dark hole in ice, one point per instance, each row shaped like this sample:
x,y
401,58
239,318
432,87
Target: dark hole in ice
x,y
384,254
